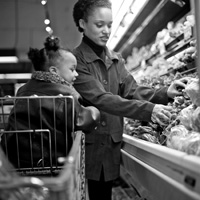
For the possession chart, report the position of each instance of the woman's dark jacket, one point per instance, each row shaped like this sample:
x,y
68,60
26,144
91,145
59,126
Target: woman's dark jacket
x,y
112,89
85,119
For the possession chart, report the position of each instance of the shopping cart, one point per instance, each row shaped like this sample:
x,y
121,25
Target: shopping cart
x,y
63,177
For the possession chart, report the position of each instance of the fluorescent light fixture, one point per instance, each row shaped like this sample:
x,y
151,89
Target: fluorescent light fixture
x,y
128,12
8,56
8,59
118,13
16,76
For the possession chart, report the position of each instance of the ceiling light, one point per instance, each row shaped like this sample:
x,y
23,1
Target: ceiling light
x,y
49,30
43,2
47,21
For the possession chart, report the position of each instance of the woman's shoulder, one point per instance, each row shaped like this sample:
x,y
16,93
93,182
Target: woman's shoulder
x,y
113,54
82,49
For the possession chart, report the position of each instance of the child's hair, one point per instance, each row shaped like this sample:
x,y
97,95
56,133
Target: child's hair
x,y
83,8
44,58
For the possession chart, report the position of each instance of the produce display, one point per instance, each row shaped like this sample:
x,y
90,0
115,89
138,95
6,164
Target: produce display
x,y
183,131
172,53
156,59
185,135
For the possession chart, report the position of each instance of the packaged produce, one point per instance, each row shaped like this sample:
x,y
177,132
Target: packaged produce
x,y
183,140
191,144
195,120
185,116
192,90
176,136
148,137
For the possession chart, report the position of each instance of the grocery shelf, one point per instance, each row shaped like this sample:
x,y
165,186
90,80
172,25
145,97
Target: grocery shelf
x,y
188,68
174,47
153,18
189,71
182,45
160,172
172,44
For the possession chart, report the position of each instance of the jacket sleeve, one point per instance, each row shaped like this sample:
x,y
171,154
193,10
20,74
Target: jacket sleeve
x,y
131,90
86,118
94,93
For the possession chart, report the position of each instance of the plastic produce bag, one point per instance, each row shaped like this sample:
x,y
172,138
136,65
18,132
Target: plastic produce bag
x,y
196,120
192,90
176,136
183,140
191,144
185,116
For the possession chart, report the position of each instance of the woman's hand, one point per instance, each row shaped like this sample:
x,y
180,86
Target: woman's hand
x,y
175,89
161,114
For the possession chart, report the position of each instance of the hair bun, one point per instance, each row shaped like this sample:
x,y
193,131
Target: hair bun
x,y
33,54
52,43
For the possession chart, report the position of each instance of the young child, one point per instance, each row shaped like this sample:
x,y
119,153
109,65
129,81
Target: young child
x,y
55,72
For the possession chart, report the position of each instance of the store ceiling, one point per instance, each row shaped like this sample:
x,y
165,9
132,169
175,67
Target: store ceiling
x,y
22,26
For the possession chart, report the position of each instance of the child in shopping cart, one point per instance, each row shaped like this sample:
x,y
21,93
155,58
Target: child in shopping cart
x,y
55,72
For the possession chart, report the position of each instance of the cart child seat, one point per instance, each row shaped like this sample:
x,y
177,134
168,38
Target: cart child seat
x,y
36,131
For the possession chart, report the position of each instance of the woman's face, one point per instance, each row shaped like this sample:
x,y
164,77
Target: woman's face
x,y
98,25
67,67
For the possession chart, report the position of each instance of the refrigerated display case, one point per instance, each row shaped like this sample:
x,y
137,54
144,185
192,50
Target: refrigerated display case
x,y
159,172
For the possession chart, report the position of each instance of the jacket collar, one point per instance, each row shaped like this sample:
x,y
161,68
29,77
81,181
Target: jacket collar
x,y
90,56
49,77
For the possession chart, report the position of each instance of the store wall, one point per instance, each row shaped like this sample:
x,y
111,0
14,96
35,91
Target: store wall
x,y
22,24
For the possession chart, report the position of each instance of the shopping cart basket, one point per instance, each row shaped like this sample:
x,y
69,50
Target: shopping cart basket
x,y
41,129
68,185
70,180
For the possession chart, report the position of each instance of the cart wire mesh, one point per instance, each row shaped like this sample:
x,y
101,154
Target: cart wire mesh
x,y
63,177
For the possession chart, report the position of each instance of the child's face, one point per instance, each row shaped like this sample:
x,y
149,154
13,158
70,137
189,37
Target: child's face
x,y
67,67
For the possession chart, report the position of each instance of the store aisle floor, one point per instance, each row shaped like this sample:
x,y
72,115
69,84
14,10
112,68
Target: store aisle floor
x,y
122,191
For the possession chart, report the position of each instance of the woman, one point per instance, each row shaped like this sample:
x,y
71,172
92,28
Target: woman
x,y
105,83
55,72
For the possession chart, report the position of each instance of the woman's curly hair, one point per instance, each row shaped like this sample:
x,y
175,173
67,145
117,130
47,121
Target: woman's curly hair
x,y
83,8
47,56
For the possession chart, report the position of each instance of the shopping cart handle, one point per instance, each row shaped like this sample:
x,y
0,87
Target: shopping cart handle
x,y
11,183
